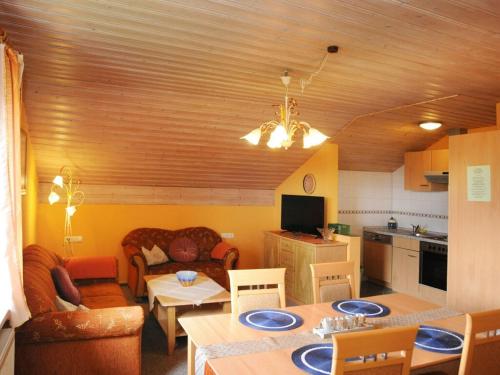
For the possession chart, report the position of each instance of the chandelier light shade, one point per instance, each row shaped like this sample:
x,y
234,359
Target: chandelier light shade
x,y
68,188
283,131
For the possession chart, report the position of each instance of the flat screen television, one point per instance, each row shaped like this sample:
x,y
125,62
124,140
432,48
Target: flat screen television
x,y
302,213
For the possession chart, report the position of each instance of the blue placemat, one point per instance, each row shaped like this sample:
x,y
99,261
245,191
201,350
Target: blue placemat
x,y
271,320
359,306
316,359
439,340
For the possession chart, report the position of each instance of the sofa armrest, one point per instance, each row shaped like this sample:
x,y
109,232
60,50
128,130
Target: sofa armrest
x,y
96,267
135,256
81,325
231,258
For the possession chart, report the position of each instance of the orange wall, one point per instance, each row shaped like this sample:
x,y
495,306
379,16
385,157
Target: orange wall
x,y
104,226
324,166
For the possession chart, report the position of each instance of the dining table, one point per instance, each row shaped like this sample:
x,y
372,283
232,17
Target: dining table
x,y
211,330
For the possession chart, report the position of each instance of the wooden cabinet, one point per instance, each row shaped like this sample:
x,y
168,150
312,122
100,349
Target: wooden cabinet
x,y
271,244
405,265
405,268
417,163
296,255
377,261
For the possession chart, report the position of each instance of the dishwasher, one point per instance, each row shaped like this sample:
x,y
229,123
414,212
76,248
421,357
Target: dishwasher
x,y
377,258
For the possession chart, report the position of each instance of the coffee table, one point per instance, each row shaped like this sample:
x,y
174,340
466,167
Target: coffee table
x,y
167,310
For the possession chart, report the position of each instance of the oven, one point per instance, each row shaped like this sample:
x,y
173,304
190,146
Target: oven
x,y
433,264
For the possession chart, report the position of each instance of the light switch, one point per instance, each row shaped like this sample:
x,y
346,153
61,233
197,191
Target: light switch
x,y
73,239
227,235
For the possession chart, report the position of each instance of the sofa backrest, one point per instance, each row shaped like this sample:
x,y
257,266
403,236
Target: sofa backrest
x,y
205,238
39,288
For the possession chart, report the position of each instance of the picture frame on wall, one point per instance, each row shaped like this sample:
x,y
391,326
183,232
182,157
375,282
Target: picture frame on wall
x,y
24,158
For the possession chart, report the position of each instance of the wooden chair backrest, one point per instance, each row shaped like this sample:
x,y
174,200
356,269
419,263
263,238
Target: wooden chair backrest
x,y
481,353
392,346
257,282
324,274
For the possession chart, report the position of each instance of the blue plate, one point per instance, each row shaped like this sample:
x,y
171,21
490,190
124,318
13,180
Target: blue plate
x,y
439,340
359,306
271,320
316,359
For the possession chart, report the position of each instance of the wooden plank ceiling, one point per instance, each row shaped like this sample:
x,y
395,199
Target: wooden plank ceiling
x,y
157,93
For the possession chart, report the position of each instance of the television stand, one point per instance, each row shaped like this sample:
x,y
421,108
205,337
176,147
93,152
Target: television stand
x,y
296,251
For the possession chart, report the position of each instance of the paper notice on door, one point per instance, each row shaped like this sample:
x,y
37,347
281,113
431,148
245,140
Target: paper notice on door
x,y
479,183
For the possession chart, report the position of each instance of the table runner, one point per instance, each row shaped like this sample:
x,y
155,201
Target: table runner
x,y
264,344
168,285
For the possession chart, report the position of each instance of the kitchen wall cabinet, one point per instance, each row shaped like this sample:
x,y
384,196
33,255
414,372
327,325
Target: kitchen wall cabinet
x,y
417,163
296,254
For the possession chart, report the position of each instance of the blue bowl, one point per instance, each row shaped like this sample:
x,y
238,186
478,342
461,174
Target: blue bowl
x,y
186,278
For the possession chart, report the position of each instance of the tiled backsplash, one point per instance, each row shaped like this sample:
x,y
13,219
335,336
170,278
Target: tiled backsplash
x,y
371,198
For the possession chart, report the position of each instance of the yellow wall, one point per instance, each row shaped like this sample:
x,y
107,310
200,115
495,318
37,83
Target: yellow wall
x,y
324,166
104,226
30,199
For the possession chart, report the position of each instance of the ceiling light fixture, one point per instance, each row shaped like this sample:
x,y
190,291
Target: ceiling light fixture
x,y
430,125
282,131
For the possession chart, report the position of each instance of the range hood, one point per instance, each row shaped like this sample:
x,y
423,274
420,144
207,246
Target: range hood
x,y
437,177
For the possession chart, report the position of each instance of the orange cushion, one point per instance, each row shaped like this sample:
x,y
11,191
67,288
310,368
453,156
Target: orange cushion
x,y
220,250
98,267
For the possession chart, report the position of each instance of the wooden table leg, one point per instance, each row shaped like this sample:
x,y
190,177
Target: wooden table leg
x,y
171,323
226,307
191,356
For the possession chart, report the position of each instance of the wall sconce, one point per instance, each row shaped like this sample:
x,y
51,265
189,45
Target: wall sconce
x,y
68,187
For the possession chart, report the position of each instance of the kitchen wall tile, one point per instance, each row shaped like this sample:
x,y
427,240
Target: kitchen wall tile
x,y
370,198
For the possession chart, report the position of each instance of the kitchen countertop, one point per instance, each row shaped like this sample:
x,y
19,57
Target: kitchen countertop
x,y
408,233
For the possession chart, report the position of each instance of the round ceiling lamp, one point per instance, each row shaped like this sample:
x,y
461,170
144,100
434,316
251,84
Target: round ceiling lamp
x,y
430,125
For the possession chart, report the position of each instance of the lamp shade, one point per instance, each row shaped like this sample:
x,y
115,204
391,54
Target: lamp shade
x,y
53,197
59,181
253,137
70,210
313,138
278,136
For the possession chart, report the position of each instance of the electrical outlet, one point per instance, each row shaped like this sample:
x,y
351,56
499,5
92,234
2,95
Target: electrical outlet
x,y
227,235
73,239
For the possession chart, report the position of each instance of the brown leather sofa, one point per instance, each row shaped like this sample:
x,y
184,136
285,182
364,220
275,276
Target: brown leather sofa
x,y
103,340
205,238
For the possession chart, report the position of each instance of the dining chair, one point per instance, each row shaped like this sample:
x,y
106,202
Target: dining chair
x,y
333,281
258,288
481,353
385,351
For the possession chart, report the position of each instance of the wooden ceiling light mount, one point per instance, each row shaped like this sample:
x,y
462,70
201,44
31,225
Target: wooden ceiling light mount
x,y
282,131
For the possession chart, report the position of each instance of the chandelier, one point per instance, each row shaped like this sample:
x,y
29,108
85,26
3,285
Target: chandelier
x,y
283,130
66,185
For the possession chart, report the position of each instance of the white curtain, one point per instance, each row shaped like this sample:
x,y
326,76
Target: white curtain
x,y
12,298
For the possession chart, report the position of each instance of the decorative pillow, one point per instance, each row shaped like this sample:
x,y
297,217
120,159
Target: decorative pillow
x,y
154,256
64,286
183,250
220,250
63,305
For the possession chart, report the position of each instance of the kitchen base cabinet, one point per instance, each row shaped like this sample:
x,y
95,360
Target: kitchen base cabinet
x,y
296,254
405,269
377,259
